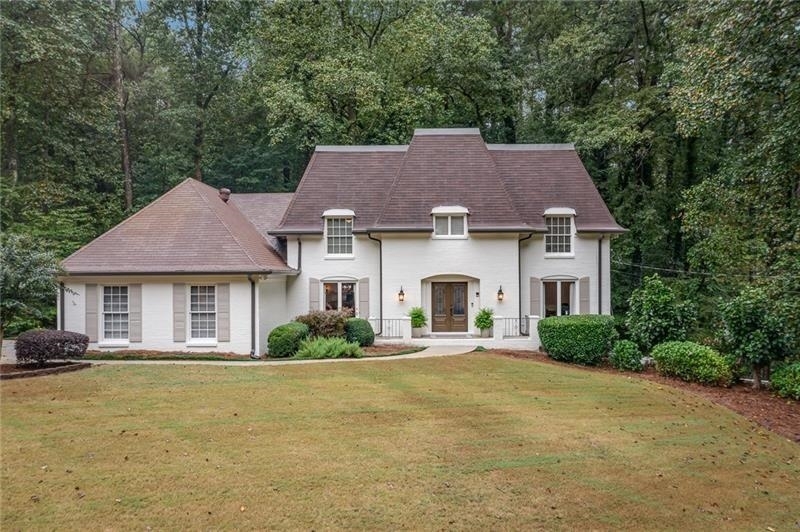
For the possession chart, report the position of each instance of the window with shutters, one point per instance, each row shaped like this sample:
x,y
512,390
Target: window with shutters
x,y
203,312
339,295
115,313
558,298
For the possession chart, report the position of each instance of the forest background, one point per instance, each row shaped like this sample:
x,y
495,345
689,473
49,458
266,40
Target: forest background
x,y
685,113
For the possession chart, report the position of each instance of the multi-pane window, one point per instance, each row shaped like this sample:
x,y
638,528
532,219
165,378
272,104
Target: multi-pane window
x,y
115,312
203,309
340,236
558,238
340,296
558,297
448,225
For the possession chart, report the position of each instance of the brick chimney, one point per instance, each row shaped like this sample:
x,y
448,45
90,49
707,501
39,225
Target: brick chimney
x,y
225,194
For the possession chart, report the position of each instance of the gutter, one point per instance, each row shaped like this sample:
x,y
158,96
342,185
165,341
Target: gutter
x,y
253,323
172,273
380,282
600,274
61,317
519,275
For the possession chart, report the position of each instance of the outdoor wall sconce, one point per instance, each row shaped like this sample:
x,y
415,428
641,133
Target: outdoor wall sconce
x,y
401,296
500,294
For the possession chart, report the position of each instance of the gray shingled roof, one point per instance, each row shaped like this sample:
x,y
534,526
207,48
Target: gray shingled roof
x,y
187,230
505,187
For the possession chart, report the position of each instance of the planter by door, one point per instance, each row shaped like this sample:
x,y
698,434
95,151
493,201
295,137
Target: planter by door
x,y
449,307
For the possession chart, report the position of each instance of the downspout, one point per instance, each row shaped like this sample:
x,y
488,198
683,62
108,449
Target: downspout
x,y
600,275
380,282
252,315
519,274
61,319
299,254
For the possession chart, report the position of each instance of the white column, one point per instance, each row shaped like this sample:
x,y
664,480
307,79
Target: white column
x,y
499,328
533,331
405,326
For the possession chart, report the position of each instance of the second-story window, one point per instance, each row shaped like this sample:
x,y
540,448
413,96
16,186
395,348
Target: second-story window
x,y
558,239
339,233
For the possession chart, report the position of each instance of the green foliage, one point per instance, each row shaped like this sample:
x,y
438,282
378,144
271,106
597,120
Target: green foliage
x,y
326,323
626,356
329,348
284,340
785,380
484,319
692,362
359,331
418,318
579,339
754,328
655,315
41,345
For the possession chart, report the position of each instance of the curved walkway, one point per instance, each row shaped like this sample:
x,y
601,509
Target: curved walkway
x,y
433,351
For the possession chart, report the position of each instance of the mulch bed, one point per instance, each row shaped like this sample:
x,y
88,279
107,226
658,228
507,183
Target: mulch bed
x,y
14,371
779,415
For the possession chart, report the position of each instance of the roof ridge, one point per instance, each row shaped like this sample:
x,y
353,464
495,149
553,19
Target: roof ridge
x,y
106,234
227,227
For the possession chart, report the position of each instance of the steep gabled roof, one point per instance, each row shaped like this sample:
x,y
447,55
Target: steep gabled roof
x,y
264,210
188,229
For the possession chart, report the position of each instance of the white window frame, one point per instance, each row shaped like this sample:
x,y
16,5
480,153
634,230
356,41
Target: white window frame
x,y
574,296
334,215
571,235
202,340
450,212
338,283
115,340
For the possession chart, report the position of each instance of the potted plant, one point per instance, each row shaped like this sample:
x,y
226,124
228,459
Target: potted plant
x,y
418,321
484,320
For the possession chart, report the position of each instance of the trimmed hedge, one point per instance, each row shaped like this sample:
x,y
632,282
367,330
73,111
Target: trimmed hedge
x,y
285,340
329,348
359,331
626,356
326,323
579,339
693,363
785,380
41,345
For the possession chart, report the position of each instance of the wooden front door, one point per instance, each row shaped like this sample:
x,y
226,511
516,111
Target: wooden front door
x,y
449,304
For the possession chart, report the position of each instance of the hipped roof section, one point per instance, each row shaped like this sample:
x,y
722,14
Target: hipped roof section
x,y
190,229
505,187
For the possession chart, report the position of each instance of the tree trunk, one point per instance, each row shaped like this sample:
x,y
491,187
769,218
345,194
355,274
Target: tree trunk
x,y
11,159
122,104
757,377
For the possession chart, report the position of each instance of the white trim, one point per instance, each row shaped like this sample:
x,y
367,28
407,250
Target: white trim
x,y
338,281
559,211
447,131
202,342
449,209
560,254
338,213
449,235
105,344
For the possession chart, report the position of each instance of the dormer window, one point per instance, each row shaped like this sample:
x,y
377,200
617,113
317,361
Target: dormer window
x,y
558,238
450,222
339,231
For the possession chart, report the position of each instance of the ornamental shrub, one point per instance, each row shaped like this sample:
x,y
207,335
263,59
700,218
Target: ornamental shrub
x,y
655,315
484,319
418,318
785,380
692,362
41,345
326,323
285,340
579,339
626,356
329,348
359,331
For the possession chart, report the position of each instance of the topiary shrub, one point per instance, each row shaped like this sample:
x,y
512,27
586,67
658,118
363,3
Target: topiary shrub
x,y
655,315
285,340
692,362
326,323
580,339
626,356
359,331
785,380
329,348
41,345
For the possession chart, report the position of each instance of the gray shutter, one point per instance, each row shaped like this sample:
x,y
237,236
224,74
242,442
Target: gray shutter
x,y
135,313
179,312
224,312
584,290
363,297
536,297
91,312
313,294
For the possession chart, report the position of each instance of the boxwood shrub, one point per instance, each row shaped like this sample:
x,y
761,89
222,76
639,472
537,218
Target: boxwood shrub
x,y
785,380
326,323
358,330
285,340
692,362
41,345
626,356
328,348
581,339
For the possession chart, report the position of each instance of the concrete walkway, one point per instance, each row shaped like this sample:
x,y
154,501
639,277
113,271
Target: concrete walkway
x,y
430,352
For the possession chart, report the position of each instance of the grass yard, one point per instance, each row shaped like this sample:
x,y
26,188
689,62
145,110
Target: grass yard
x,y
467,442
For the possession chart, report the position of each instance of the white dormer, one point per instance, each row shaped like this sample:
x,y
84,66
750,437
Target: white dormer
x,y
449,221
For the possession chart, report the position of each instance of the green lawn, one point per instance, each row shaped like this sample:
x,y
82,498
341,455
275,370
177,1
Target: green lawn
x,y
467,442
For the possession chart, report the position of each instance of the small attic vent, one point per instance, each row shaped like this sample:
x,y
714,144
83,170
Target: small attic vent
x,y
225,194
